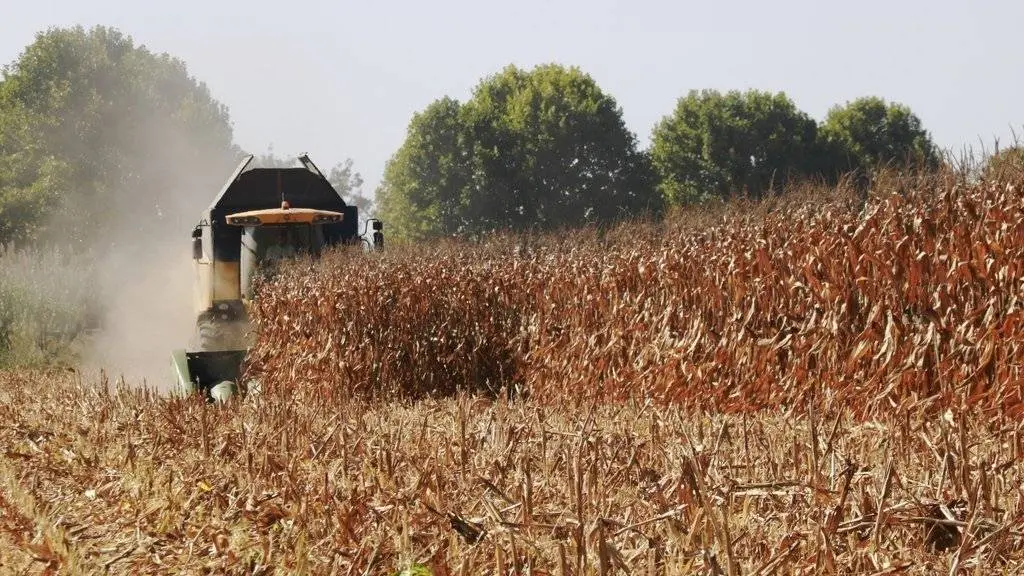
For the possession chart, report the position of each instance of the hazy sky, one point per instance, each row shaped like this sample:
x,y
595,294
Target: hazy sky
x,y
342,79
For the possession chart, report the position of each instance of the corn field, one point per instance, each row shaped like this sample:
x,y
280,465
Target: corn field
x,y
916,299
806,386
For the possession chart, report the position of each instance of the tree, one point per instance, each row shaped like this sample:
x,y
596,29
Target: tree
x,y
535,149
551,149
27,191
425,181
869,132
349,184
270,160
715,144
101,136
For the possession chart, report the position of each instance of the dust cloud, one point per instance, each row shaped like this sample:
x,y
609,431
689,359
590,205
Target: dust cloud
x,y
143,260
148,313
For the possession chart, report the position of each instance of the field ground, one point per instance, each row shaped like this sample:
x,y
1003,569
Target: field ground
x,y
15,539
118,480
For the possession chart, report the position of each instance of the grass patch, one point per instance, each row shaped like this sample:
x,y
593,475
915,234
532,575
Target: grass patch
x,y
48,302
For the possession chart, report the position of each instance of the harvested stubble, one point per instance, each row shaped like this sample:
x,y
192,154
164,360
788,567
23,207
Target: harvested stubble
x,y
917,299
125,481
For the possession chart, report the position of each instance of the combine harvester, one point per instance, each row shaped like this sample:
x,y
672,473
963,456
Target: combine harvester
x,y
260,215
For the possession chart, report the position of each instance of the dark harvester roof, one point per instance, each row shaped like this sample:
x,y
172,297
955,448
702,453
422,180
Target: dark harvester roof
x,y
261,188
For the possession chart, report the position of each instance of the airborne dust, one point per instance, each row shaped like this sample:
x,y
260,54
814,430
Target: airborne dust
x,y
143,260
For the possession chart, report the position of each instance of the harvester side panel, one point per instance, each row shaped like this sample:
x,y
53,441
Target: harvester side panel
x,y
226,285
203,283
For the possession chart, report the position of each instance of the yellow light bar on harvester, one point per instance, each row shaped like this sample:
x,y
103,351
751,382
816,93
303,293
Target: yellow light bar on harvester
x,y
284,215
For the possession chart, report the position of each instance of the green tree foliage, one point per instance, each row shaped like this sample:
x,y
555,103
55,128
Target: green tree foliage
x,y
425,181
535,149
98,132
869,132
551,149
29,187
349,184
715,144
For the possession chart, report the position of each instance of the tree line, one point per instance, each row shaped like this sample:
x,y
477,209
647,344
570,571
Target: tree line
x,y
98,133
546,147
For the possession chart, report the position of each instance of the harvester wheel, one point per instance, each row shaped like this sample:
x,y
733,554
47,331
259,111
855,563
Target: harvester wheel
x,y
222,391
210,334
217,335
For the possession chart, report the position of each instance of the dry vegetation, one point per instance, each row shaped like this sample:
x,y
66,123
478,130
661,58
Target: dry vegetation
x,y
145,485
790,388
917,299
47,302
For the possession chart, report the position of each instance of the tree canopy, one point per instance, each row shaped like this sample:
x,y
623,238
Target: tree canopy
x,y
717,143
427,180
349,183
532,149
95,131
99,134
869,132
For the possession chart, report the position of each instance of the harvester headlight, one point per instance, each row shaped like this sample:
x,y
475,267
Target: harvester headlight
x,y
326,218
243,220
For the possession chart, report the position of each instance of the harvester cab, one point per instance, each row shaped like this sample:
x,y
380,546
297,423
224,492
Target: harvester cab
x,y
260,216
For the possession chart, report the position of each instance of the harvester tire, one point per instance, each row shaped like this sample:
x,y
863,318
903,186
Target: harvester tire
x,y
210,334
215,335
222,391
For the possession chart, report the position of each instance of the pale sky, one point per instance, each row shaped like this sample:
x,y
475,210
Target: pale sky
x,y
342,79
